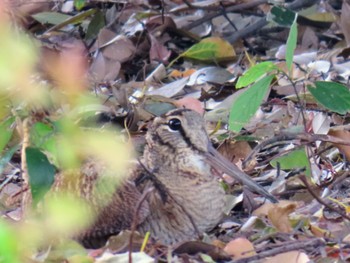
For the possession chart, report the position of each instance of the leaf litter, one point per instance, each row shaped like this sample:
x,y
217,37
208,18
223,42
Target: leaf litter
x,y
143,58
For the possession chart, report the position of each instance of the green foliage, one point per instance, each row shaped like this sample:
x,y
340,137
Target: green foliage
x,y
254,73
44,122
248,103
42,136
8,244
41,173
293,160
332,95
282,16
53,18
211,49
97,23
79,4
291,45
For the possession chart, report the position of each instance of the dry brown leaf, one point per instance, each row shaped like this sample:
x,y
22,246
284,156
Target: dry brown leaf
x,y
190,103
289,257
345,20
279,217
235,150
104,69
278,214
309,39
240,248
344,135
158,52
195,247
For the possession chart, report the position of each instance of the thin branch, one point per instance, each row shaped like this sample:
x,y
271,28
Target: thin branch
x,y
235,8
300,245
320,200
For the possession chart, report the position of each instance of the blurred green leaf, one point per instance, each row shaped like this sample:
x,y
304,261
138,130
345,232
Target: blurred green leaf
x,y
332,95
67,213
6,130
282,16
42,136
254,73
291,45
248,103
8,244
293,160
18,56
79,4
41,173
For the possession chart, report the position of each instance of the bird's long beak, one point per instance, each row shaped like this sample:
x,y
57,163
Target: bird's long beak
x,y
220,163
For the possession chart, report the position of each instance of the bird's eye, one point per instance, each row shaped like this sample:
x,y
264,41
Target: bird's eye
x,y
174,124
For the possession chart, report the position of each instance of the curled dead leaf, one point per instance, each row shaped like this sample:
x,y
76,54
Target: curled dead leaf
x,y
278,214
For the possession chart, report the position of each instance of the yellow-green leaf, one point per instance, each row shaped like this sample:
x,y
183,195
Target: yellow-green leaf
x,y
211,48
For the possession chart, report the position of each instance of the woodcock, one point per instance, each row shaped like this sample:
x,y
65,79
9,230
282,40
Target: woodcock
x,y
187,198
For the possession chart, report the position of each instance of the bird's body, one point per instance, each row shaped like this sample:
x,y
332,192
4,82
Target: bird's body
x,y
187,199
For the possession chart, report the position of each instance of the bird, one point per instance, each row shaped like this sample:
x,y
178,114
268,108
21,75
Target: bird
x,y
172,192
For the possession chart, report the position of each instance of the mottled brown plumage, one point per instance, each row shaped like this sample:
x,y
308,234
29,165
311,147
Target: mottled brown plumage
x,y
187,198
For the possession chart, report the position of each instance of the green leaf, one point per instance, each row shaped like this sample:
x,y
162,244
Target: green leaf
x,y
293,160
210,48
42,136
291,45
73,20
254,73
282,16
6,131
201,51
8,244
96,23
248,103
53,18
332,95
41,173
79,4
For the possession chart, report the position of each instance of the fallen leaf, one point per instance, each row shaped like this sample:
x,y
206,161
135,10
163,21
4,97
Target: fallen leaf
x,y
240,248
190,103
158,52
344,135
278,214
289,257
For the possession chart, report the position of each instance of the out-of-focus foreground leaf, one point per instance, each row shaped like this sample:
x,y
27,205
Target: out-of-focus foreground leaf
x,y
41,173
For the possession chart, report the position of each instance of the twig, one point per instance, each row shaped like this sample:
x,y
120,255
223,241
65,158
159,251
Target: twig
x,y
232,9
320,200
247,30
134,221
282,249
